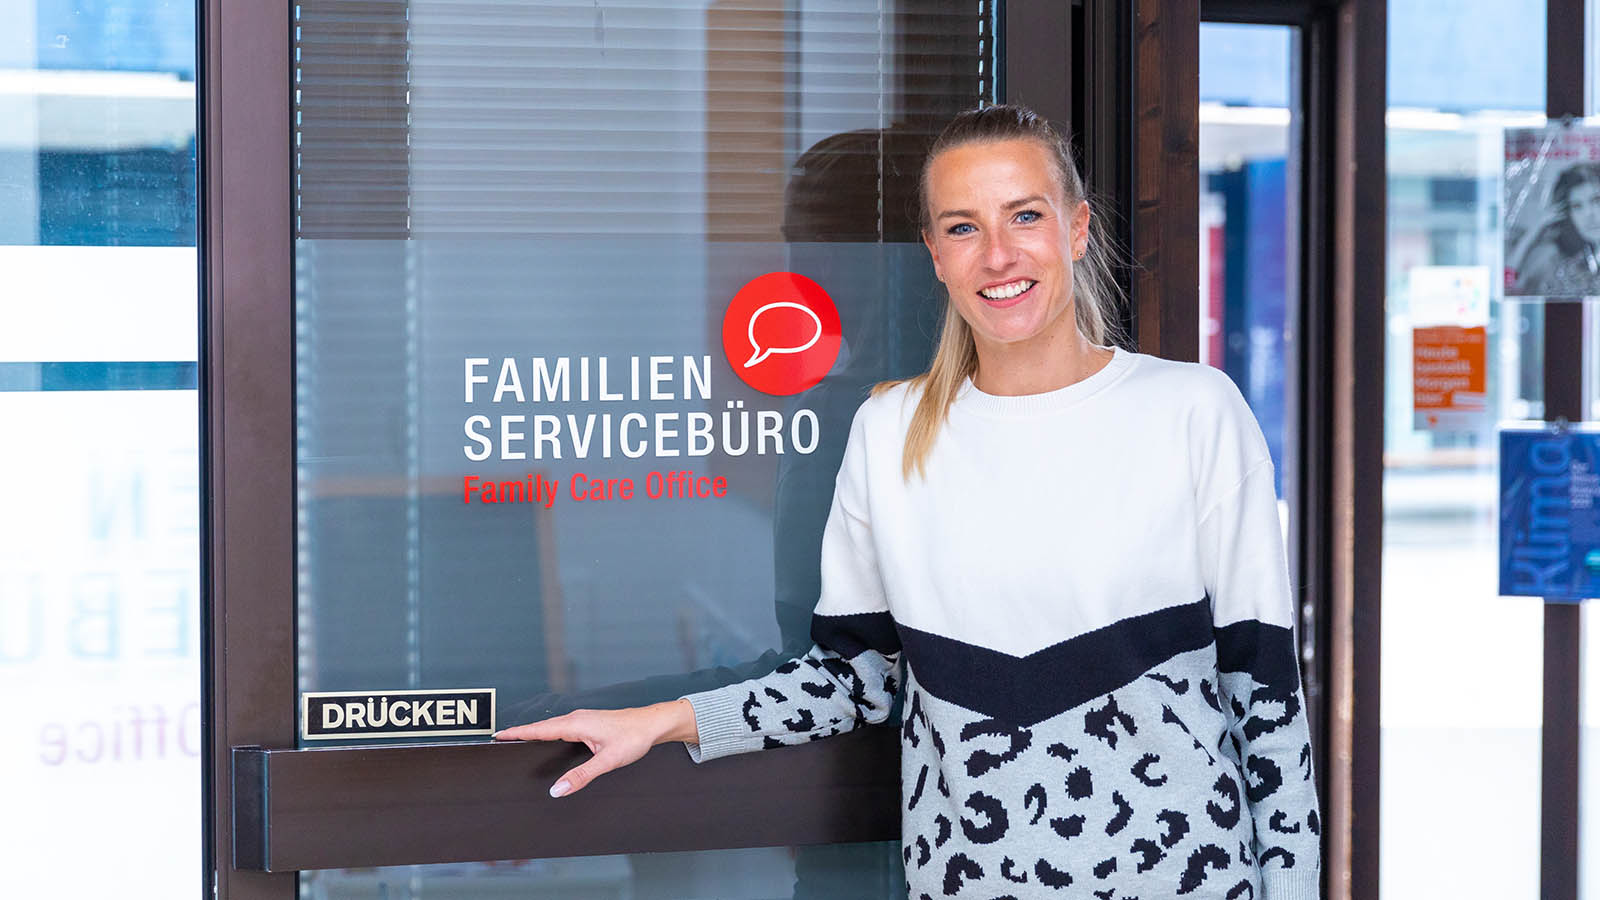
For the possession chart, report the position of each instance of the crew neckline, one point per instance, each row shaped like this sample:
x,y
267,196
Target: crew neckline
x,y
974,398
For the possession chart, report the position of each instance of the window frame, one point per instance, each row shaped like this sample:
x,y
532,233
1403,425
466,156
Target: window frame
x,y
1560,751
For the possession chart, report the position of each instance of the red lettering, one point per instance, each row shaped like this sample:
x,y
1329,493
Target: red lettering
x,y
684,486
585,488
466,487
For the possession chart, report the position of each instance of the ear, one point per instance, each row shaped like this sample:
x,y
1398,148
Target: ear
x,y
1080,229
933,253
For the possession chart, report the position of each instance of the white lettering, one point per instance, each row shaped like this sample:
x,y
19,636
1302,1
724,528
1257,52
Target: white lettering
x,y
697,377
472,376
510,381
557,382
546,429
769,425
507,436
701,443
663,433
604,384
636,450
485,445
659,376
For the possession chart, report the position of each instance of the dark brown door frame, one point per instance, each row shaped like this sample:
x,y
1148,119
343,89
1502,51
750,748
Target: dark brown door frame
x,y
1560,747
1164,213
1355,517
247,409
271,808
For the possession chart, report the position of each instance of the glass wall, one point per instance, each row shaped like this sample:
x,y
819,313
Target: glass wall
x,y
99,549
1249,223
1461,679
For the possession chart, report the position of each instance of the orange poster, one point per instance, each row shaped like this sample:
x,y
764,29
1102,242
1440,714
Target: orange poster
x,y
1449,375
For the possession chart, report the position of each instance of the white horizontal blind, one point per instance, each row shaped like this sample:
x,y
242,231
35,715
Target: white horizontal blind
x,y
492,118
351,161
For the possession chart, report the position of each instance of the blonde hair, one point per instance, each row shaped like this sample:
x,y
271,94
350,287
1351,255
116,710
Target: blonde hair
x,y
1095,294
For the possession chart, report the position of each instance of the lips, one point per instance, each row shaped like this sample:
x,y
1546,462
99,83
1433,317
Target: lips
x,y
1006,293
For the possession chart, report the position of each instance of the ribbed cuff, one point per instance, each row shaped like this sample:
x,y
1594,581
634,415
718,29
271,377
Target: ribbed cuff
x,y
721,725
1290,884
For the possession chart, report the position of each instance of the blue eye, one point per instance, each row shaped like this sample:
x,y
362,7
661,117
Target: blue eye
x,y
963,228
1027,216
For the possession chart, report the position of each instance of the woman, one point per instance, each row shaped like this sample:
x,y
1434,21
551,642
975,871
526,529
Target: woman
x,y
1068,557
1559,259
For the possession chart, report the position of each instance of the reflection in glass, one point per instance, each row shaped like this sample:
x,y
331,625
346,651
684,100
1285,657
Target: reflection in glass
x,y
1249,222
561,200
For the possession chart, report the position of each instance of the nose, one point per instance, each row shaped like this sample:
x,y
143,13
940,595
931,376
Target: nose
x,y
999,251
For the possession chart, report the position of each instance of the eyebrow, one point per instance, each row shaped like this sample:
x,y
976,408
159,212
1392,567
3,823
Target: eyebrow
x,y
1014,204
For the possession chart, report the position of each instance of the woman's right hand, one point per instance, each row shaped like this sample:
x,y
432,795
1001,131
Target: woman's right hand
x,y
616,737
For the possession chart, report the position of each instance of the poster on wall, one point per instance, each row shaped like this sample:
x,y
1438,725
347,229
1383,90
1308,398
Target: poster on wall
x,y
1449,347
1549,521
1552,212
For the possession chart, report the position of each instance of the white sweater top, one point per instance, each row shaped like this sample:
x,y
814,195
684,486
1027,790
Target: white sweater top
x,y
1087,604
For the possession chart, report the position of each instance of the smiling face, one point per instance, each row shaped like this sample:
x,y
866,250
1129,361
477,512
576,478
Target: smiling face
x,y
1003,236
1583,208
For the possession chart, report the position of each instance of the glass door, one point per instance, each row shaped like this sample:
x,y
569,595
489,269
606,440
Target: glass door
x,y
585,297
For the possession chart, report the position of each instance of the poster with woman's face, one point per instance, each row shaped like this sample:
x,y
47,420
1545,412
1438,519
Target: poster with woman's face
x,y
1552,212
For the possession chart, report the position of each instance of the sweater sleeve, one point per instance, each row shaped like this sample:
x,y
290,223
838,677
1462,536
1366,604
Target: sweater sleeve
x,y
1245,572
1247,580
852,672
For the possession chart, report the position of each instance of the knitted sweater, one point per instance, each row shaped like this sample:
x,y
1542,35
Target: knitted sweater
x,y
1087,604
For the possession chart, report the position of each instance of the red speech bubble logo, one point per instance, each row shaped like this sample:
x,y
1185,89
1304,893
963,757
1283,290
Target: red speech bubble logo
x,y
781,333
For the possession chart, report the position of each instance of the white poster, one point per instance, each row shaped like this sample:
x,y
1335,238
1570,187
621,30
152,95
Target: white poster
x,y
1552,212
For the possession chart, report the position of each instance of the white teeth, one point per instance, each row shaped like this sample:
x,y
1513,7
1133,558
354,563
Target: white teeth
x,y
1006,291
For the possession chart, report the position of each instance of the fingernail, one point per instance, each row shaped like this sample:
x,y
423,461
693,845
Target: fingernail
x,y
560,788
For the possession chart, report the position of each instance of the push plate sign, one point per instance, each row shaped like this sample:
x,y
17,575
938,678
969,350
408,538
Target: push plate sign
x,y
387,714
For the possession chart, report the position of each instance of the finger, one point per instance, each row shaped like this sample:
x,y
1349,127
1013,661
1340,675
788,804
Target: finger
x,y
557,729
579,778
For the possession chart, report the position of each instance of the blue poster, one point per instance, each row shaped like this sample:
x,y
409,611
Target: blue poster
x,y
1549,522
